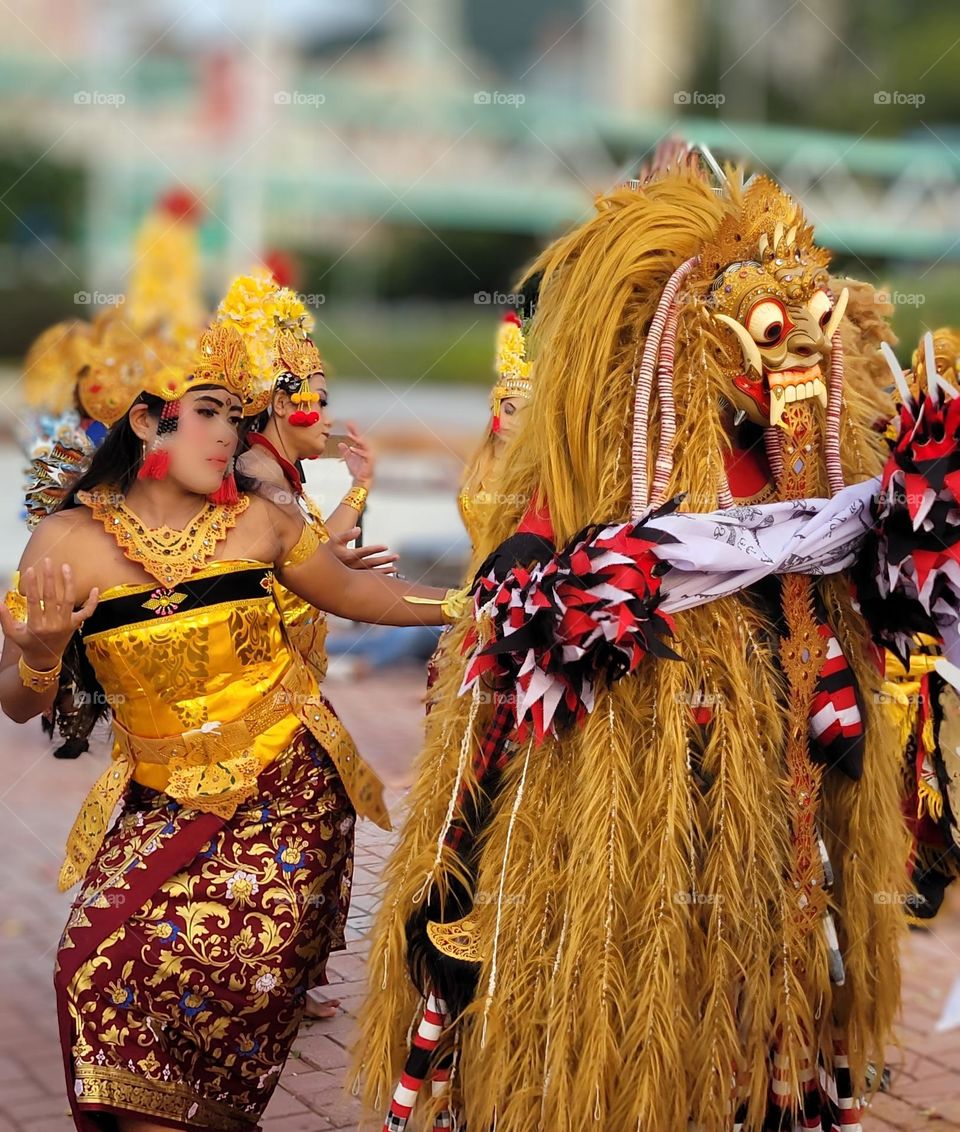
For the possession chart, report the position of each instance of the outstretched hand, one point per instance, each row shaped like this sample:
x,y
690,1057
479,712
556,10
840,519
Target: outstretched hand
x,y
357,456
377,558
51,619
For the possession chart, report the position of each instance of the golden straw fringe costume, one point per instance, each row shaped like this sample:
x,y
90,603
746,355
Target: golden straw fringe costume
x,y
655,863
209,907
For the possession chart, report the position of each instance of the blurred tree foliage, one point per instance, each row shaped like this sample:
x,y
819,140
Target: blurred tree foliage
x,y
824,64
452,264
40,225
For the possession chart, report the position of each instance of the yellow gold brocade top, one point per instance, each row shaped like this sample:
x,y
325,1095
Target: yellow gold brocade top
x,y
475,508
205,691
306,625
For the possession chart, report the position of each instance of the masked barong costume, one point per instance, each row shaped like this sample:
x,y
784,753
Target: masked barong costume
x,y
654,869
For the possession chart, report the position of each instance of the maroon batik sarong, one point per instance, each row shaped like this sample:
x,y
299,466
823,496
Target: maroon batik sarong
x,y
183,970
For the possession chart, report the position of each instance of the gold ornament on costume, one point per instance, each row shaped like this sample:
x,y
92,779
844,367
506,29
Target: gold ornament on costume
x,y
51,366
120,363
765,279
297,360
222,361
946,354
459,939
14,599
298,355
356,498
36,680
167,554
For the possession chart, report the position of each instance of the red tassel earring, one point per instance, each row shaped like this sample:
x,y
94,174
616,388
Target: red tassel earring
x,y
304,418
227,491
156,463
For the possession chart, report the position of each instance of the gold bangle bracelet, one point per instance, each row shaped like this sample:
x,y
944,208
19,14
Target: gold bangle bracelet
x,y
356,498
36,680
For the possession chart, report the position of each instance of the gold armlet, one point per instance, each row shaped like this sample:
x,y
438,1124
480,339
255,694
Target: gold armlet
x,y
453,602
356,498
38,681
304,547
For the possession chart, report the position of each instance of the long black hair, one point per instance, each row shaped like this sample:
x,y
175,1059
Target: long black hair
x,y
81,700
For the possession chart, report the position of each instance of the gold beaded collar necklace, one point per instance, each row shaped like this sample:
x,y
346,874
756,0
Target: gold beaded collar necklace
x,y
165,553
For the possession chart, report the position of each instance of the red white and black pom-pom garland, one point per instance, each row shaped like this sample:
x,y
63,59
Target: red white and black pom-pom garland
x,y
554,631
912,574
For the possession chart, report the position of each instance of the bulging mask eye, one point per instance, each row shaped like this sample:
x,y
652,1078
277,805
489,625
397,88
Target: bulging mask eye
x,y
821,308
767,322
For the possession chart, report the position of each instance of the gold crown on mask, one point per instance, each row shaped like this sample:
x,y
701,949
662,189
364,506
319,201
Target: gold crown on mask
x,y
765,247
512,365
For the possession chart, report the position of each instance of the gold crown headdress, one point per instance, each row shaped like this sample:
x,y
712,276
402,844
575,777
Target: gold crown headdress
x,y
275,326
512,365
122,364
52,364
946,354
165,280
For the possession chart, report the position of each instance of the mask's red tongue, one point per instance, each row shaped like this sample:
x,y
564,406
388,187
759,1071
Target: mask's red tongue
x,y
756,389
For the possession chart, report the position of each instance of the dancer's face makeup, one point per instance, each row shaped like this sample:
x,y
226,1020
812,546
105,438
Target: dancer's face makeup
x,y
205,439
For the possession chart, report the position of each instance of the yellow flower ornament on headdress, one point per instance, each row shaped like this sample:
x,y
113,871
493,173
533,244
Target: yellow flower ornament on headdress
x,y
513,367
275,326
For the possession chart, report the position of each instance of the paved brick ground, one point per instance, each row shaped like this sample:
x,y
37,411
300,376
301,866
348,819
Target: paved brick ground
x,y
41,798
